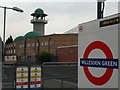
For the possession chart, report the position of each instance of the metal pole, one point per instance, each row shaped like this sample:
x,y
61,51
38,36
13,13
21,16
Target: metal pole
x,y
99,5
49,45
38,45
24,49
4,25
4,33
100,8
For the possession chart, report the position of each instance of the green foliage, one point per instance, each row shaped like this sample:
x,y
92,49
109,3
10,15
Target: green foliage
x,y
9,40
42,57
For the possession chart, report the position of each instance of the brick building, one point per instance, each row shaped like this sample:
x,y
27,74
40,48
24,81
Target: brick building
x,y
31,43
67,53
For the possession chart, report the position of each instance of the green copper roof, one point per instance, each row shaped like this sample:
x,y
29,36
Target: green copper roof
x,y
31,35
19,38
39,12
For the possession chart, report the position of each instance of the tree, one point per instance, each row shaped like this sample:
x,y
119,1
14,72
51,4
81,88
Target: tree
x,y
9,40
42,57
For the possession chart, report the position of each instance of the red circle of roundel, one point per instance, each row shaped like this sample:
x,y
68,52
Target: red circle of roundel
x,y
107,75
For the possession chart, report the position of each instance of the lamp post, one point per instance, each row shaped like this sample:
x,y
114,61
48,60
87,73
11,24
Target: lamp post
x,y
5,8
15,9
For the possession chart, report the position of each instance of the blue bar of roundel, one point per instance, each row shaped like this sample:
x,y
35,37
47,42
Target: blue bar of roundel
x,y
101,62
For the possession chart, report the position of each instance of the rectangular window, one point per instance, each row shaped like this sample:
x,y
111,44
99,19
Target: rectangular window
x,y
20,45
42,44
51,42
14,51
33,44
10,51
46,43
37,44
11,45
7,52
14,45
28,45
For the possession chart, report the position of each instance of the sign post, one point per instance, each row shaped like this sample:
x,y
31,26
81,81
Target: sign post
x,y
35,78
22,78
98,63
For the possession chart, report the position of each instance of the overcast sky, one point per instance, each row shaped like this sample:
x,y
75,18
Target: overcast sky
x,y
62,16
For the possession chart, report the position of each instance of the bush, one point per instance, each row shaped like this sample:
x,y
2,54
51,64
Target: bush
x,y
42,57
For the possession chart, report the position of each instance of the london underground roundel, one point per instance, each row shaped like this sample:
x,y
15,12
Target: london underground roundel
x,y
109,59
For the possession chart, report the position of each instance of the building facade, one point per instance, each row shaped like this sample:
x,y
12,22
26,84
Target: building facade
x,y
67,53
29,45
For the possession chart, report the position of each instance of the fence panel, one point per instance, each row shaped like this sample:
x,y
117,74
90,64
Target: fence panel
x,y
59,75
8,77
53,75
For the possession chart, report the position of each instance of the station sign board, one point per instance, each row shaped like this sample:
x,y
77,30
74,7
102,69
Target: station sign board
x,y
98,60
